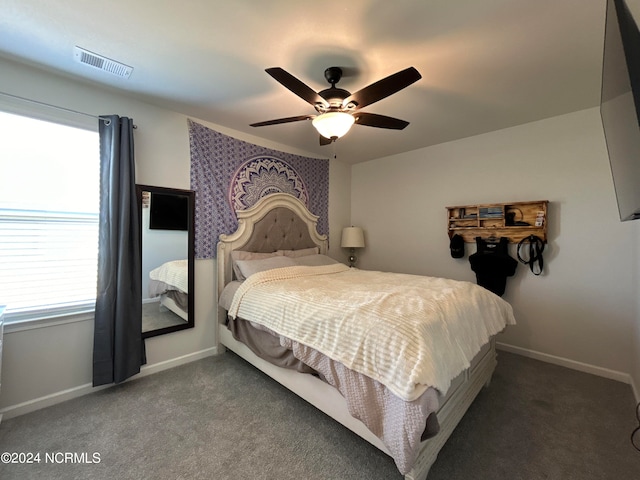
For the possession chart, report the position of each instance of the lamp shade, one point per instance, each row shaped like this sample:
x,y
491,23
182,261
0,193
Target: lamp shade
x,y
352,237
333,125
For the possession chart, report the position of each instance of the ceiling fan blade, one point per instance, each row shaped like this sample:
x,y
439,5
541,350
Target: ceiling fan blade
x,y
380,121
296,86
282,120
324,140
383,88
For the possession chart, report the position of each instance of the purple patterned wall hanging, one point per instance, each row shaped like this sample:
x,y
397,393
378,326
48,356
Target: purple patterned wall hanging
x,y
228,174
261,176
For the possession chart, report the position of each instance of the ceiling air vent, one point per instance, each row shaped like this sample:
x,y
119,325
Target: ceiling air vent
x,y
102,63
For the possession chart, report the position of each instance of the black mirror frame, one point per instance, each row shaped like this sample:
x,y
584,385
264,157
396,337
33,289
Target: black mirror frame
x,y
190,253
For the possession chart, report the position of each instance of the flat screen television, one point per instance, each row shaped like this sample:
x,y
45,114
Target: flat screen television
x,y
620,105
169,212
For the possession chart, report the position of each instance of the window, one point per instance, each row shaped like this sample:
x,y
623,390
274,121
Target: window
x,y
49,205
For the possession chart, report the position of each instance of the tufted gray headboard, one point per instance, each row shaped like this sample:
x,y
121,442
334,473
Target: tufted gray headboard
x,y
280,229
276,222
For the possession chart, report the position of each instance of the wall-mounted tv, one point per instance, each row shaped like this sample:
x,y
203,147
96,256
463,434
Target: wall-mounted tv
x,y
169,212
620,105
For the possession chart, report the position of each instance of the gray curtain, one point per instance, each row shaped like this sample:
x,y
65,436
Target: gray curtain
x,y
118,348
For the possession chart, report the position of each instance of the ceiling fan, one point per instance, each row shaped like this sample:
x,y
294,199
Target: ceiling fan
x,y
339,109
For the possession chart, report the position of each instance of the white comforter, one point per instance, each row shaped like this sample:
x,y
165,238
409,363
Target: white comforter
x,y
408,332
173,273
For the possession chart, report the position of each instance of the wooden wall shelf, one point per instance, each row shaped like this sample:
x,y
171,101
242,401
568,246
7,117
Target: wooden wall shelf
x,y
515,220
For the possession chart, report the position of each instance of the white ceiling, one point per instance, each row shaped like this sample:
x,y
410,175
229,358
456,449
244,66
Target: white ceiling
x,y
485,64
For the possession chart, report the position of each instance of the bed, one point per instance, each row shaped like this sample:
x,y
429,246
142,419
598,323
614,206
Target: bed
x,y
360,394
170,282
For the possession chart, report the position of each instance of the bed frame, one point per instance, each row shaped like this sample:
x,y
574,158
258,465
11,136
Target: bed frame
x,y
281,221
170,304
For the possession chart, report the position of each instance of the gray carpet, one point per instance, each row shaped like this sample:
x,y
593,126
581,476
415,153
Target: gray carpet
x,y
155,317
219,418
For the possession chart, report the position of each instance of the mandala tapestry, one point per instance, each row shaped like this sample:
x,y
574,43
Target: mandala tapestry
x,y
228,174
262,176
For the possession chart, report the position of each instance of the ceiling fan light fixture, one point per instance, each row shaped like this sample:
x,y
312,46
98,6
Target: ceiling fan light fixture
x,y
333,125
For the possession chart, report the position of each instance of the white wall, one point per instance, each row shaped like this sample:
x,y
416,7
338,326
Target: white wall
x,y
582,310
634,7
51,363
635,360
339,202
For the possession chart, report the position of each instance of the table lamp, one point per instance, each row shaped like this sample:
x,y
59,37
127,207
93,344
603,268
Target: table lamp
x,y
352,238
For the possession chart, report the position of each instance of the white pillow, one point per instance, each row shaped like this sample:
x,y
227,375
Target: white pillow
x,y
315,260
303,252
242,255
249,267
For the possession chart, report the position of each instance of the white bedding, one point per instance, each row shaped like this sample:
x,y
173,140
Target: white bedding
x,y
408,332
172,273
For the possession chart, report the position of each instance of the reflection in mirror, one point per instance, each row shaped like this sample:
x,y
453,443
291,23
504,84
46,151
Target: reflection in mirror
x,y
167,226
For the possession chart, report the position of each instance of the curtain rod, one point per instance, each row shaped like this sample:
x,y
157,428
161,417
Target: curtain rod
x,y
55,106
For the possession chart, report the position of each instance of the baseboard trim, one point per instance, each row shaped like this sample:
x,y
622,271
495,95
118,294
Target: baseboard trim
x,y
75,392
565,362
175,362
64,395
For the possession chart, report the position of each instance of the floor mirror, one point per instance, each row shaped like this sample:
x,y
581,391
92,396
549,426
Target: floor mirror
x,y
167,246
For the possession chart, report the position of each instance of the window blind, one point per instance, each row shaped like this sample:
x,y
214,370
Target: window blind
x,y
48,263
